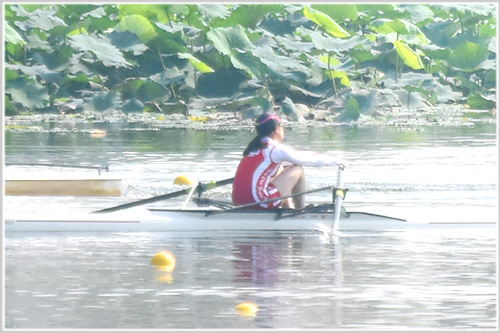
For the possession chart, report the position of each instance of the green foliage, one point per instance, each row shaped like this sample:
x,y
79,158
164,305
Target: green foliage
x,y
352,109
29,93
100,48
198,64
410,58
138,25
326,22
468,57
158,57
12,37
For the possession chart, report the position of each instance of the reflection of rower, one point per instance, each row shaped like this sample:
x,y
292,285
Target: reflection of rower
x,y
257,263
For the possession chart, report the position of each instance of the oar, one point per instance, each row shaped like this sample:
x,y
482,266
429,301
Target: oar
x,y
200,187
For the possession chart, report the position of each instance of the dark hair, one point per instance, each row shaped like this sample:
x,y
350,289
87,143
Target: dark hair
x,y
265,124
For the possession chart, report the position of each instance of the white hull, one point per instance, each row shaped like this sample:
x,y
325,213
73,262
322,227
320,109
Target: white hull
x,y
197,220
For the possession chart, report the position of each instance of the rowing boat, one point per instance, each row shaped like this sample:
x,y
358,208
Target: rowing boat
x,y
316,218
64,187
56,183
216,216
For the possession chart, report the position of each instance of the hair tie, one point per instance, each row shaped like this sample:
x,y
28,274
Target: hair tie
x,y
273,116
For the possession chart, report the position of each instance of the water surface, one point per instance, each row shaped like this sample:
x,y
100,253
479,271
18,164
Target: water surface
x,y
405,280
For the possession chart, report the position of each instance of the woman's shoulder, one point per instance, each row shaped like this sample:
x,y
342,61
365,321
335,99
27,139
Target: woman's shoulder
x,y
271,142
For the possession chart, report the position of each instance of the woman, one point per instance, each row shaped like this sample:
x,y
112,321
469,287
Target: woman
x,y
261,176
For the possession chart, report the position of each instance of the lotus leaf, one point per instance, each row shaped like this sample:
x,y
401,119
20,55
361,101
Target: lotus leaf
x,y
277,27
40,71
400,27
277,63
230,40
344,79
151,11
133,105
127,41
169,76
35,42
246,15
468,57
151,91
482,102
101,48
198,64
39,19
418,12
338,12
138,25
442,93
223,83
410,58
326,22
435,52
105,101
27,92
151,55
11,35
214,10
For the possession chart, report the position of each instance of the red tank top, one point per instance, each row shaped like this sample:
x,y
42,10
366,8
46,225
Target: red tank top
x,y
252,182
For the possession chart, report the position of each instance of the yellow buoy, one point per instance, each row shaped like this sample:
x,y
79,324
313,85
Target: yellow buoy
x,y
247,309
183,180
164,261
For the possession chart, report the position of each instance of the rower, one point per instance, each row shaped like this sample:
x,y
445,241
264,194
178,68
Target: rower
x,y
270,169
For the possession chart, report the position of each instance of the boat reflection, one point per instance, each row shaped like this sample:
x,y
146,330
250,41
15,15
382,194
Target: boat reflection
x,y
267,262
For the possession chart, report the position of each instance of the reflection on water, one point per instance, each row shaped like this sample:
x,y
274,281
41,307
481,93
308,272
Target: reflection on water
x,y
256,263
298,280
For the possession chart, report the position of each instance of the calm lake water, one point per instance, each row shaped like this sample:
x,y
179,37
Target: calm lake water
x,y
387,280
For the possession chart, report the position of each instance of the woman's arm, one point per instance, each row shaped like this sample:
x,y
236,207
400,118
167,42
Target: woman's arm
x,y
283,153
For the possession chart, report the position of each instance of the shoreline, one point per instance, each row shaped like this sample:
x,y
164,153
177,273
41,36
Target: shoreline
x,y
447,116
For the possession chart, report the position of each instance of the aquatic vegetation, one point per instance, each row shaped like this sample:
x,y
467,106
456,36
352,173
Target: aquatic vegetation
x,y
187,58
